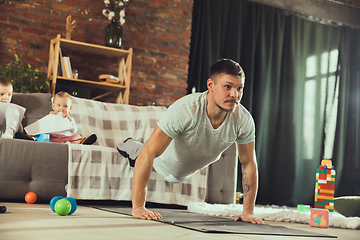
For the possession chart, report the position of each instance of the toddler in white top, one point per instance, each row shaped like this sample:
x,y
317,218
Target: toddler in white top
x,y
62,104
12,119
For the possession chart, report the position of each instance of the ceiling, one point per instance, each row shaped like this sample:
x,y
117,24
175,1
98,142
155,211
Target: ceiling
x,y
338,12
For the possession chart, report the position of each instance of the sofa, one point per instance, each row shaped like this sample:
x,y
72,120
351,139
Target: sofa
x,y
98,171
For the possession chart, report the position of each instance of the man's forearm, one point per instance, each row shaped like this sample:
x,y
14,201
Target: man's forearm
x,y
142,172
154,147
138,193
250,186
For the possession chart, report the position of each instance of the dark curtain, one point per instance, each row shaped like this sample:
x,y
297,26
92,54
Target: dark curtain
x,y
294,70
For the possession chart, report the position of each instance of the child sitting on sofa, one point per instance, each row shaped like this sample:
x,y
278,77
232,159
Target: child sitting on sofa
x,y
62,104
12,114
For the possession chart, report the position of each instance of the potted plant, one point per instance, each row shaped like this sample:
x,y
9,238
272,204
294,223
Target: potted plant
x,y
23,77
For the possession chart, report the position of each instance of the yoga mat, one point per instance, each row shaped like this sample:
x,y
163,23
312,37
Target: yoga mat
x,y
212,224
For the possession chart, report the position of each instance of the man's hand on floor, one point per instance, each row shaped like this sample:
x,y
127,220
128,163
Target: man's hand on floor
x,y
248,218
145,214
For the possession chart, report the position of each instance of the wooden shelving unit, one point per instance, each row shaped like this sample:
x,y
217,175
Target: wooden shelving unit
x,y
124,71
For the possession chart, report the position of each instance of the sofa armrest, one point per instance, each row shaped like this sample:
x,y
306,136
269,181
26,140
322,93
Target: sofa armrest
x,y
29,166
222,178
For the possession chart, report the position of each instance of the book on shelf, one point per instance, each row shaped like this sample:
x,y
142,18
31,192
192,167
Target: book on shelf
x,y
60,71
63,67
67,67
109,78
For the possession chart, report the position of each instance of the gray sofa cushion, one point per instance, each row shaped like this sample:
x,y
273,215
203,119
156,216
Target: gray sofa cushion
x,y
29,166
221,178
37,105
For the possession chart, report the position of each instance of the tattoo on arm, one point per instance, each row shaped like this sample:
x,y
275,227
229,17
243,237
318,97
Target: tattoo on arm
x,y
245,185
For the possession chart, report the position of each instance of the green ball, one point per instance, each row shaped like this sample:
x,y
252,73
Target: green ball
x,y
62,207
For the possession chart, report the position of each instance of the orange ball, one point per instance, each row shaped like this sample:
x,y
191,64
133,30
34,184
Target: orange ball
x,y
30,197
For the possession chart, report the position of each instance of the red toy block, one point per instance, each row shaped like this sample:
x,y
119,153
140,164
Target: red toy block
x,y
327,186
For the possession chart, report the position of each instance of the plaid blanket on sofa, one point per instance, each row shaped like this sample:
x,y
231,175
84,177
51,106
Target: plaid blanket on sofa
x,y
113,123
100,172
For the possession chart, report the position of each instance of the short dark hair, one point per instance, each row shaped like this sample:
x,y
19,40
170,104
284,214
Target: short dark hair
x,y
227,67
4,81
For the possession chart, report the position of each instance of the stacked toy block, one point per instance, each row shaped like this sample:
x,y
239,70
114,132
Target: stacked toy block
x,y
325,186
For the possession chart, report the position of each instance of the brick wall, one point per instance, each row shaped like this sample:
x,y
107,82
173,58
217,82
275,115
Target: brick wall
x,y
158,31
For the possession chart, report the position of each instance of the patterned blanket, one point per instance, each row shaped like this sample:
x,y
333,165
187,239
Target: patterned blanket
x,y
100,172
113,123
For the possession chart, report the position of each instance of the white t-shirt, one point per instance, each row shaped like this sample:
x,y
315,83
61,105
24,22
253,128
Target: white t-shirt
x,y
70,132
195,143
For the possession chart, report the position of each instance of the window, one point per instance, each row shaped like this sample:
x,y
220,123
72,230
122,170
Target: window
x,y
320,102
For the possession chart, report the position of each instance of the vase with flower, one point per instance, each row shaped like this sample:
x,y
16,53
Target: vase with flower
x,y
115,12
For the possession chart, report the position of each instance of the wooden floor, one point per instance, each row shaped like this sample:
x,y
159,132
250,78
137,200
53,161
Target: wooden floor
x,y
37,222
